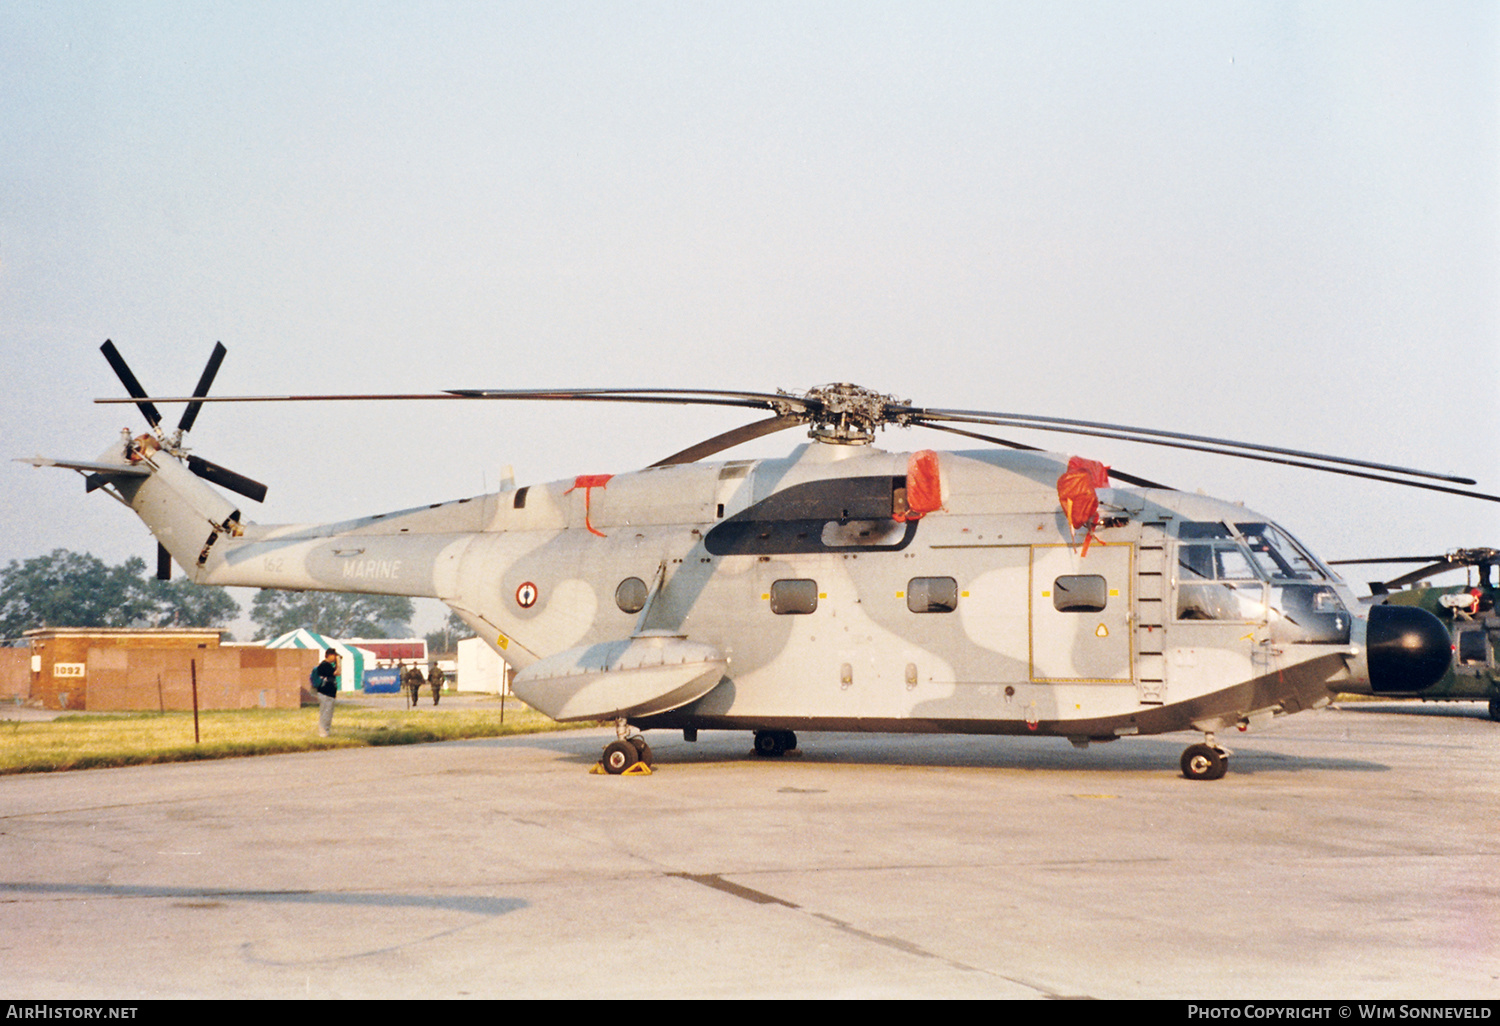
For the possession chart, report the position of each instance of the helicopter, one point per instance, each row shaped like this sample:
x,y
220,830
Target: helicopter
x,y
1468,611
998,590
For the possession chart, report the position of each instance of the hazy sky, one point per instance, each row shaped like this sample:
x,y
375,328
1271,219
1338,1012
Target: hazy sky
x,y
1267,221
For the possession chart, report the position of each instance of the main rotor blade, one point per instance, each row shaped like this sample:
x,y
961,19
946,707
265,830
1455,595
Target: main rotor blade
x,y
190,415
1149,434
1458,559
122,371
828,405
1139,482
791,405
922,418
1441,567
685,396
226,478
729,439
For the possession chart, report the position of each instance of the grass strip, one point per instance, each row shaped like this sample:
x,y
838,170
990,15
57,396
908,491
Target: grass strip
x,y
97,741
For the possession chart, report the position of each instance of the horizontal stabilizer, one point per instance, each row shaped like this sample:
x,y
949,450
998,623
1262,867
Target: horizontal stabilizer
x,y
90,467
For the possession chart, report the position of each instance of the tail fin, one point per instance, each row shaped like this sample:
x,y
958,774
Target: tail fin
x,y
186,516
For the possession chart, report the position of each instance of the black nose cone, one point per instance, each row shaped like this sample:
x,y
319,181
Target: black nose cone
x,y
1409,649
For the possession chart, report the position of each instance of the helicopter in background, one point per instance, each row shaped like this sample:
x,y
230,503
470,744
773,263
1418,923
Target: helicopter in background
x,y
1468,612
841,587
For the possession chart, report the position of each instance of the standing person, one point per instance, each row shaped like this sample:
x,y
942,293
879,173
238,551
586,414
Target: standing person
x,y
326,678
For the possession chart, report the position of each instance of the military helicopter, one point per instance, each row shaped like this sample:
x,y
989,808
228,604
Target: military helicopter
x,y
1468,611
1003,590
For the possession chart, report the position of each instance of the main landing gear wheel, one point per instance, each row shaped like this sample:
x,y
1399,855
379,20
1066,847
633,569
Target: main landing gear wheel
x,y
619,756
642,750
769,743
627,753
1204,762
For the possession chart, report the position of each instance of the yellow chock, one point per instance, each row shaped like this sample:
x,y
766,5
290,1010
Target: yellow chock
x,y
639,769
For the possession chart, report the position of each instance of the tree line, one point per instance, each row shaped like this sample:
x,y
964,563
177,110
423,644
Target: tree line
x,y
77,589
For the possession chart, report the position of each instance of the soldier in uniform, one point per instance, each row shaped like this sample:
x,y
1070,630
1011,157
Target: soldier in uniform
x,y
411,683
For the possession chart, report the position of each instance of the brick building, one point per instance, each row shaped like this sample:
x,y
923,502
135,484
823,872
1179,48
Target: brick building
x,y
103,669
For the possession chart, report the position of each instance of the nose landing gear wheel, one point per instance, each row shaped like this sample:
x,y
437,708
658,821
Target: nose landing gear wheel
x,y
1204,762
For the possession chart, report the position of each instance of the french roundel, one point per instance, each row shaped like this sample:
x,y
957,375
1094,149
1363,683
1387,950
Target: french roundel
x,y
526,595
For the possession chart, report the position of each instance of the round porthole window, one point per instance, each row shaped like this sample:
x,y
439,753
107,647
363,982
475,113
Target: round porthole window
x,y
630,596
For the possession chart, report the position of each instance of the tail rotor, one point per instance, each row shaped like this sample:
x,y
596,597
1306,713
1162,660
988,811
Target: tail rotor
x,y
206,469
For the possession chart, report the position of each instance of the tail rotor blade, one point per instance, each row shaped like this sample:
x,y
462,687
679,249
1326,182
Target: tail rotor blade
x,y
190,415
122,371
226,478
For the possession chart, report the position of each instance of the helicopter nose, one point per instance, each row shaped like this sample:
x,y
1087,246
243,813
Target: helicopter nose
x,y
1409,649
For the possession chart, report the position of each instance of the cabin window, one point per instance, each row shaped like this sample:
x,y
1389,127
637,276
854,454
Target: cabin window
x,y
630,596
1080,593
794,596
519,502
1471,648
932,594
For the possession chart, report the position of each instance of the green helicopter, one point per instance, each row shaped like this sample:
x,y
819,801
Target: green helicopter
x,y
1467,610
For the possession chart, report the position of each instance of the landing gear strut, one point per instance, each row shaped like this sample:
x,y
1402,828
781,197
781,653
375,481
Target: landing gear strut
x,y
770,743
1206,761
626,751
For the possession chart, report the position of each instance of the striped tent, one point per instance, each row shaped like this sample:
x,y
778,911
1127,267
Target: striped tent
x,y
351,659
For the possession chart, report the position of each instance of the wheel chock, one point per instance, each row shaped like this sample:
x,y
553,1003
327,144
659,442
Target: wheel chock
x,y
639,769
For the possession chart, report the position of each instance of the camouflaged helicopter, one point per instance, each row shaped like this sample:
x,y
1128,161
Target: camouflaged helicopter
x,y
839,588
1468,611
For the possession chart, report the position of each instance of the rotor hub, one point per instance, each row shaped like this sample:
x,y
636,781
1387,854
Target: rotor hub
x,y
846,414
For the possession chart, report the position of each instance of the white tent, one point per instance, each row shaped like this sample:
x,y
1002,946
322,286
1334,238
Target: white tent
x,y
480,668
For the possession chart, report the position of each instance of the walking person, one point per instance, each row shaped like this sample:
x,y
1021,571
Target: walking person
x,y
411,683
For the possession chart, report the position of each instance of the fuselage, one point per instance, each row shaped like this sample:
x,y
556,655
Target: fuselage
x,y
832,603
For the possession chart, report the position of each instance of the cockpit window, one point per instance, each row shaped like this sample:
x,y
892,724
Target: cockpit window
x,y
1215,561
1220,575
1216,580
1273,554
1278,556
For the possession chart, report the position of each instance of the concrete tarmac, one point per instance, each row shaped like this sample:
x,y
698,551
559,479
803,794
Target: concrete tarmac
x,y
1349,853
